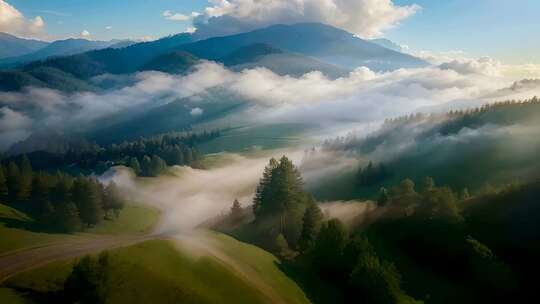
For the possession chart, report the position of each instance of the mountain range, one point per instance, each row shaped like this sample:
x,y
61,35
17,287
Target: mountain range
x,y
285,49
11,46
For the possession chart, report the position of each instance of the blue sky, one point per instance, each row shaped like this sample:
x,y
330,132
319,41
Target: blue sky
x,y
505,29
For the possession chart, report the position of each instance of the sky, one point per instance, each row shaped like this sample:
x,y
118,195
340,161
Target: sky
x,y
503,29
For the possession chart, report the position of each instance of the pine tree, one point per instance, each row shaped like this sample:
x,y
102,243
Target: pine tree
x,y
24,189
146,166
236,212
465,194
310,229
383,197
66,217
88,200
13,178
40,197
263,189
112,201
135,166
3,183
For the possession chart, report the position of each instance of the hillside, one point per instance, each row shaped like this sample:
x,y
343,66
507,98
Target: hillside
x,y
279,61
205,269
59,48
12,46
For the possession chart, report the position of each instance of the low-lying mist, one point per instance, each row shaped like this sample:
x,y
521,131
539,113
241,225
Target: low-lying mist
x,y
188,197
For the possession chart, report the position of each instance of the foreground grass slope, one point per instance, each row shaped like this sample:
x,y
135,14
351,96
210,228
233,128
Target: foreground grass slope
x,y
17,233
168,271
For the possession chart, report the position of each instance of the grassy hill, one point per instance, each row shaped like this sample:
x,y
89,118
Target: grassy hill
x,y
16,228
163,271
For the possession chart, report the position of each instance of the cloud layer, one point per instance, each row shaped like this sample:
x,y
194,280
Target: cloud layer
x,y
360,98
13,22
366,18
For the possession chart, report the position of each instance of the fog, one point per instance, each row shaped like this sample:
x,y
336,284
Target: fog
x,y
360,98
188,197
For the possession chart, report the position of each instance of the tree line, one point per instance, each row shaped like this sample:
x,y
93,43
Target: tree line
x,y
147,156
58,202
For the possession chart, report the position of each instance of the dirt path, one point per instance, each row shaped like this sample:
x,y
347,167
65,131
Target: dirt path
x,y
20,261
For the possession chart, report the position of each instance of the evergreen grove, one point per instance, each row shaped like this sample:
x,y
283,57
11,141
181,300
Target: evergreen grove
x,y
58,202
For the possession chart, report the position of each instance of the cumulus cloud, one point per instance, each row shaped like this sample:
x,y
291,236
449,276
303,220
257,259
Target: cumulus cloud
x,y
365,18
484,65
85,34
178,16
12,21
196,112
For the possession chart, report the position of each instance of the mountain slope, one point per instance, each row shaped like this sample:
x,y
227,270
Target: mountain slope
x,y
116,61
323,42
172,63
278,61
11,46
59,48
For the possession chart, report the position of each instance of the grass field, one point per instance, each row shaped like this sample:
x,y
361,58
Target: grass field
x,y
13,236
163,272
244,139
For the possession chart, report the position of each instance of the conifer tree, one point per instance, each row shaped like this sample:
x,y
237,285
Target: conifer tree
x,y
3,183
236,211
310,228
135,166
13,178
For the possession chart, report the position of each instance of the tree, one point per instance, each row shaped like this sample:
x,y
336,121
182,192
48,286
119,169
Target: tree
x,y
13,178
88,200
465,194
3,183
24,188
312,221
236,212
88,280
40,198
406,187
383,197
377,282
328,250
262,195
429,184
146,166
135,166
281,247
112,199
66,217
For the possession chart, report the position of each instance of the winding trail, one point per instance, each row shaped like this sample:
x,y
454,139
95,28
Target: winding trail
x,y
22,260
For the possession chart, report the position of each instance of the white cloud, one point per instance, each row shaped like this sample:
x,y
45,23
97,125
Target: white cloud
x,y
484,65
196,112
108,27
362,97
179,17
14,126
85,34
13,22
366,18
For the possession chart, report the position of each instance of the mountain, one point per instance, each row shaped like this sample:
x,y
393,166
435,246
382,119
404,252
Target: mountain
x,y
278,61
322,42
172,63
389,44
114,60
11,46
45,77
60,48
